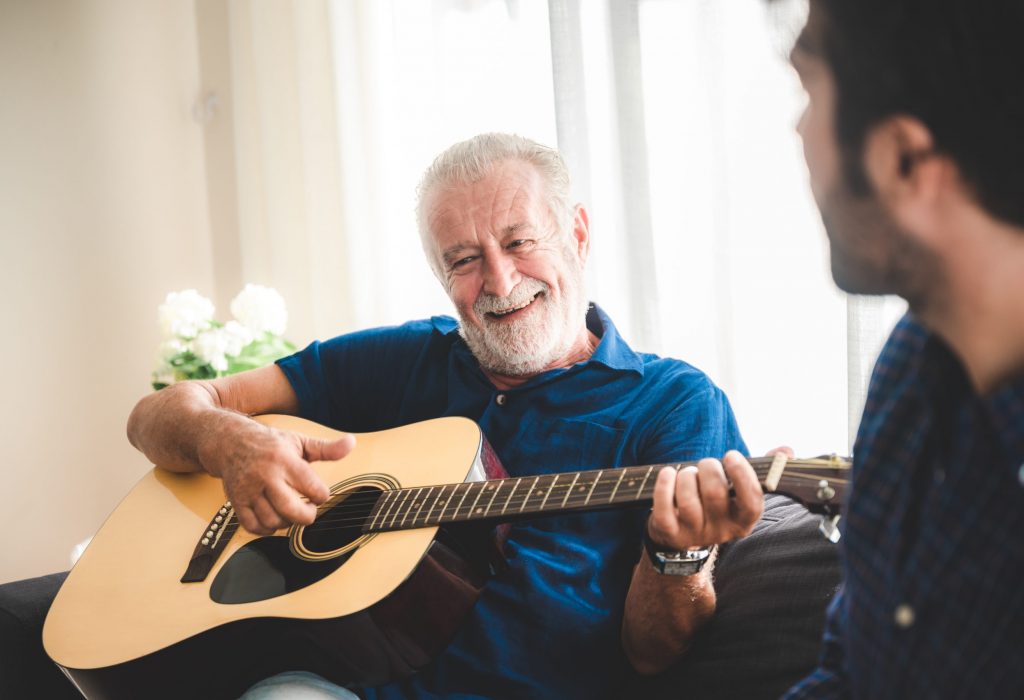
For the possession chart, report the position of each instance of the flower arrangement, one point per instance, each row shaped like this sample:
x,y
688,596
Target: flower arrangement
x,y
195,346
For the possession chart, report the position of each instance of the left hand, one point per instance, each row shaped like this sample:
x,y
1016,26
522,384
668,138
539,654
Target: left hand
x,y
693,508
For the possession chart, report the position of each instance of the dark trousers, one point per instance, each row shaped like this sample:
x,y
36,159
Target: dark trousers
x,y
25,669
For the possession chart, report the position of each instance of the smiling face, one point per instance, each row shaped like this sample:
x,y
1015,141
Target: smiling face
x,y
515,277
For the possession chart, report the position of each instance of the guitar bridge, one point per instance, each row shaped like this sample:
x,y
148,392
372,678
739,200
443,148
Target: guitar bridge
x,y
215,538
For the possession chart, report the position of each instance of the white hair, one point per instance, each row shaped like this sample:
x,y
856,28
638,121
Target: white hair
x,y
472,160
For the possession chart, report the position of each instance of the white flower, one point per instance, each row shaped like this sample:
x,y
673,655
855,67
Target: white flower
x,y
171,347
237,337
210,346
260,309
184,314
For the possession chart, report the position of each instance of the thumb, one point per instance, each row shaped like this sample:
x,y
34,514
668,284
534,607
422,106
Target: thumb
x,y
315,450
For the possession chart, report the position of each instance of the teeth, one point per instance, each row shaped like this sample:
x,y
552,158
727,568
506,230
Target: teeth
x,y
506,312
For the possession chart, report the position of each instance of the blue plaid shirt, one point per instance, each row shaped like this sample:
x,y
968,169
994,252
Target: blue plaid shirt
x,y
933,600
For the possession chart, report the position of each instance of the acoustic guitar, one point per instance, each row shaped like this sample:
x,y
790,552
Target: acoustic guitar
x,y
172,599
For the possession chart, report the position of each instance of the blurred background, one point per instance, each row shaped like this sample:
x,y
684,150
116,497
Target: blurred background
x,y
150,147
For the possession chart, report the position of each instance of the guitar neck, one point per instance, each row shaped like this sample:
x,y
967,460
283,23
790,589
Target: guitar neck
x,y
566,492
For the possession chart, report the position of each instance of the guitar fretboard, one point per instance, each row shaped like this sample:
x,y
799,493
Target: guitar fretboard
x,y
506,498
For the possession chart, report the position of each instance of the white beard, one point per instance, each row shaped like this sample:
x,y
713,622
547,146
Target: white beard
x,y
531,344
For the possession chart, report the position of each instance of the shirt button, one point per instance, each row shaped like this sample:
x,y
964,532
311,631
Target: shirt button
x,y
500,399
904,616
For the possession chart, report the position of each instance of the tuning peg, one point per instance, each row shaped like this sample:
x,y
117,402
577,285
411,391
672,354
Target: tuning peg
x,y
829,527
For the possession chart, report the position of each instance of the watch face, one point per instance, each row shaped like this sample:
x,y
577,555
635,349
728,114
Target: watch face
x,y
680,563
683,567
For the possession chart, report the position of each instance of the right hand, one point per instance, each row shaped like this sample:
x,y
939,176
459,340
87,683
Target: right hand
x,y
267,474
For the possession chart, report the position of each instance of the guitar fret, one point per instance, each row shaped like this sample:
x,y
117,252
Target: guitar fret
x,y
490,503
644,482
423,503
399,506
472,508
386,499
469,487
442,517
622,473
527,498
511,493
551,488
591,493
569,490
437,501
413,499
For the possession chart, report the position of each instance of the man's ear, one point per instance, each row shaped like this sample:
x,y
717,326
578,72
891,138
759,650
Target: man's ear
x,y
581,232
903,168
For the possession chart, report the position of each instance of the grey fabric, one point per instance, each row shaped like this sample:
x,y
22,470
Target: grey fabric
x,y
25,669
773,587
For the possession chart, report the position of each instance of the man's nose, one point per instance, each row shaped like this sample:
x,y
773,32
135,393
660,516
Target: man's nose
x,y
500,275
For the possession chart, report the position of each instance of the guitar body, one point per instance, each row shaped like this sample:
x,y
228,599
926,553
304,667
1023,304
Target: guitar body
x,y
360,608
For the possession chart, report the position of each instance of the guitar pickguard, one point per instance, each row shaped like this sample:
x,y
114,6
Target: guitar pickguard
x,y
266,568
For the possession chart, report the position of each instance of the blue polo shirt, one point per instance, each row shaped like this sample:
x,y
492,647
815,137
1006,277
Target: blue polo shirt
x,y
548,626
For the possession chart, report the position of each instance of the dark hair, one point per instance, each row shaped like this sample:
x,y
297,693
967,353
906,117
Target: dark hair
x,y
956,65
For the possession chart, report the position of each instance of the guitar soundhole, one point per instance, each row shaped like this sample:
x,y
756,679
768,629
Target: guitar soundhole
x,y
342,524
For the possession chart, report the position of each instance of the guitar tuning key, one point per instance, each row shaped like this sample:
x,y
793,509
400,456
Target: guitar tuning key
x,y
829,527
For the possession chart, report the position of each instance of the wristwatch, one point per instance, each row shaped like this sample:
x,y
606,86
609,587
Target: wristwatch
x,y
685,563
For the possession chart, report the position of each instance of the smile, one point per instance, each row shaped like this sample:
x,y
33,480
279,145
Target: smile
x,y
514,310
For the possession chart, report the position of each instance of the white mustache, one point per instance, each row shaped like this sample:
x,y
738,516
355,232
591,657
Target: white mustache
x,y
521,295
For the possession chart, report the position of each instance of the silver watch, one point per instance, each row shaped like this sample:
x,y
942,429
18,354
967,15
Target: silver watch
x,y
685,563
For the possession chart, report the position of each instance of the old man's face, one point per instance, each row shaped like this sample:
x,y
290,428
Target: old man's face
x,y
515,277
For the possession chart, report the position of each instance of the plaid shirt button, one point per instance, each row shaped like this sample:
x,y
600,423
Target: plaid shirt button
x,y
904,616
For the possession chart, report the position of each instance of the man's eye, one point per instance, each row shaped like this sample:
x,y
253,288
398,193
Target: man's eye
x,y
463,261
518,243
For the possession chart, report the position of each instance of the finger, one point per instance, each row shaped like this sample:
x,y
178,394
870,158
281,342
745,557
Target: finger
x,y
689,510
303,478
749,501
268,517
314,450
781,449
289,505
662,525
714,494
247,519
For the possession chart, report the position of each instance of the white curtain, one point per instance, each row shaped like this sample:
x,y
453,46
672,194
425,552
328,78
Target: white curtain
x,y
676,118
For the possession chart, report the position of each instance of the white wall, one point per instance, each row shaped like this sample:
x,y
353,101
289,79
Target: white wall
x,y
103,210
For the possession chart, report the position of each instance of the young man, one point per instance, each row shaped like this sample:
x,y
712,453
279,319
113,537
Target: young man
x,y
912,136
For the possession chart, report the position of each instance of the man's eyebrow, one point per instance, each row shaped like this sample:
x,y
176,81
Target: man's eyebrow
x,y
453,251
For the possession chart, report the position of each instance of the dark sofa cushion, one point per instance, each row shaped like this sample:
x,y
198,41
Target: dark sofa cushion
x,y
773,587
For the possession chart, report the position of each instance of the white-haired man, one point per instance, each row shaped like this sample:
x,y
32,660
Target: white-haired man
x,y
553,386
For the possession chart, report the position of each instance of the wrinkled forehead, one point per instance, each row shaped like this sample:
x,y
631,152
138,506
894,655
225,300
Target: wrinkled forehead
x,y
510,192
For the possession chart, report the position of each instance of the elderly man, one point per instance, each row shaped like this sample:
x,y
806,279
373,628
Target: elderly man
x,y
554,387
912,136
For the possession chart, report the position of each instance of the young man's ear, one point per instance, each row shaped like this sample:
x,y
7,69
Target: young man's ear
x,y
900,158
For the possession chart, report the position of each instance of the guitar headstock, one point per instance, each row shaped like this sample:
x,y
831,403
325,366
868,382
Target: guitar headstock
x,y
819,484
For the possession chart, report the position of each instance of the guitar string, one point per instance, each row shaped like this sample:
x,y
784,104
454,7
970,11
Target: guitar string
x,y
355,504
357,508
